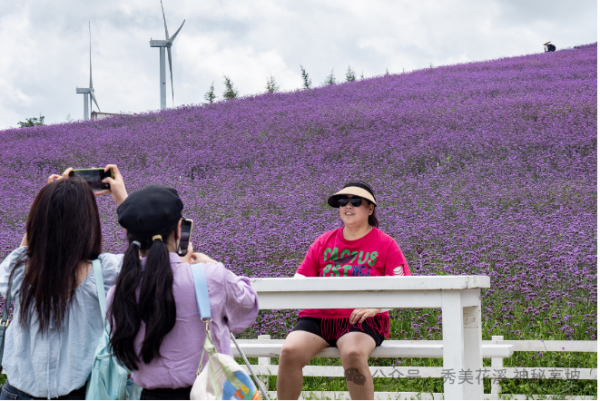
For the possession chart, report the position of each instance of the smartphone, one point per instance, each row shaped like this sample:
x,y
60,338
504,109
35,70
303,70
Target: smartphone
x,y
186,232
94,177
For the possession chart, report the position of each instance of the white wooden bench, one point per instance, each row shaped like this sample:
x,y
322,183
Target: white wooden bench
x,y
497,349
458,296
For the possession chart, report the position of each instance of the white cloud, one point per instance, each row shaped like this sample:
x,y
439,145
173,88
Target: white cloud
x,y
45,44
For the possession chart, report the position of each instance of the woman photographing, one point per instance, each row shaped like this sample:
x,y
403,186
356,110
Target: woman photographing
x,y
49,346
156,328
358,249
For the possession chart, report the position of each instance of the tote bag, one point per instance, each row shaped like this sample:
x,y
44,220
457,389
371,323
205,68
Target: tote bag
x,y
221,378
109,380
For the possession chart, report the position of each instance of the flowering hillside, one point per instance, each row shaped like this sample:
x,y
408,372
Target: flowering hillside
x,y
488,167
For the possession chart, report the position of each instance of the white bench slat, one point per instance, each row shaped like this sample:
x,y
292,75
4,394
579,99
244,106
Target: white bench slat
x,y
380,395
431,371
552,346
388,349
369,284
518,345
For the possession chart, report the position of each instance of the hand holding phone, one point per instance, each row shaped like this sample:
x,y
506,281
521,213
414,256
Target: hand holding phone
x,y
186,233
95,177
65,174
198,257
116,183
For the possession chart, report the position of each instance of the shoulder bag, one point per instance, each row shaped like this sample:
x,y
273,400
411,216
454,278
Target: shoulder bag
x,y
109,380
221,378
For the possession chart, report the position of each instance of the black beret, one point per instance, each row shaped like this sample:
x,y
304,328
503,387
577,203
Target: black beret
x,y
150,210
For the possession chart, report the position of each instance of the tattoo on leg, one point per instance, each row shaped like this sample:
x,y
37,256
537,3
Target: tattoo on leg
x,y
354,376
349,373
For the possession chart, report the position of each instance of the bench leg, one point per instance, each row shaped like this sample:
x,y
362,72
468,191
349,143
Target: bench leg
x,y
453,336
463,360
473,356
497,364
264,339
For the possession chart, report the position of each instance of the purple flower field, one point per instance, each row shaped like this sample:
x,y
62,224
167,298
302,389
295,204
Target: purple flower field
x,y
488,167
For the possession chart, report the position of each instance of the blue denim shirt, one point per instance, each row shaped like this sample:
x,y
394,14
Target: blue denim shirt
x,y
56,364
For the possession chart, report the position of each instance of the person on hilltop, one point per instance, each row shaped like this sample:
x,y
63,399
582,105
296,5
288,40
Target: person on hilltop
x,y
156,328
358,249
49,346
549,47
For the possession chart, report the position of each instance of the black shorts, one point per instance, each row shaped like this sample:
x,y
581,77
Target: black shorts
x,y
313,325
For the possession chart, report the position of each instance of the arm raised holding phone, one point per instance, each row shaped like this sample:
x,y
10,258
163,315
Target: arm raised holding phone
x,y
112,180
115,183
49,272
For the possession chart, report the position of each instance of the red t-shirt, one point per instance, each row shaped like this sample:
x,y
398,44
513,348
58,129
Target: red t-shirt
x,y
375,254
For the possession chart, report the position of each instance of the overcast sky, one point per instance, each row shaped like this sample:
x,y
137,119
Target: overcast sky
x,y
45,45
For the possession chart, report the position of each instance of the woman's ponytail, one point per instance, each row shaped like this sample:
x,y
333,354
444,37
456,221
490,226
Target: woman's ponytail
x,y
125,319
157,304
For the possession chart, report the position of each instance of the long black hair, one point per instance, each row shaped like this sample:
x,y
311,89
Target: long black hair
x,y
155,305
63,229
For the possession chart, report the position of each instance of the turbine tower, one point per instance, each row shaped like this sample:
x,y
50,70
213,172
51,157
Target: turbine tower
x,y
162,44
88,91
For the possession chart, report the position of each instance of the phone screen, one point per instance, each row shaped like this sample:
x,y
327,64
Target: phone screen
x,y
186,232
94,177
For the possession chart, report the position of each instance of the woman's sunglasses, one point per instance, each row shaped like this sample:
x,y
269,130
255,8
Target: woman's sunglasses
x,y
355,201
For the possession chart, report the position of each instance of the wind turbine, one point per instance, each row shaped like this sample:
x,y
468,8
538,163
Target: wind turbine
x,y
88,91
162,44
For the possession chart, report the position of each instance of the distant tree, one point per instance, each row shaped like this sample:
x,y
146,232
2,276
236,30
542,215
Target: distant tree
x,y
32,122
69,118
330,79
387,72
306,81
362,76
271,85
230,91
350,75
210,95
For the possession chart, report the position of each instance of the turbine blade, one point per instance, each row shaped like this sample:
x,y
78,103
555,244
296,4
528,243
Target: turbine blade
x,y
173,37
171,71
94,99
164,19
90,29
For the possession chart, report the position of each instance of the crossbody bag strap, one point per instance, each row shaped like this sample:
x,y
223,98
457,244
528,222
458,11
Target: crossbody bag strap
x,y
7,301
201,292
4,322
203,301
100,287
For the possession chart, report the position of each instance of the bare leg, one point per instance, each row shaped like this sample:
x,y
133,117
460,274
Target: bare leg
x,y
297,351
355,349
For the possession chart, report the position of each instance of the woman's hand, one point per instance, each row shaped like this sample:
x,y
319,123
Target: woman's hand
x,y
55,177
117,185
359,315
200,258
187,258
197,257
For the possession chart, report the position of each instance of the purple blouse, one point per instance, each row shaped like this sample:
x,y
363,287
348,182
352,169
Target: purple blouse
x,y
233,305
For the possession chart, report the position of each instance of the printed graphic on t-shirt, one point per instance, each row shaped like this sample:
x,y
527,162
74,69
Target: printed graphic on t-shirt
x,y
348,263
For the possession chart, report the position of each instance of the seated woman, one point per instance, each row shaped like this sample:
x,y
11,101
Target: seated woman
x,y
358,249
49,347
156,327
